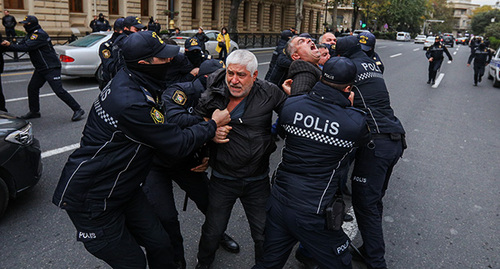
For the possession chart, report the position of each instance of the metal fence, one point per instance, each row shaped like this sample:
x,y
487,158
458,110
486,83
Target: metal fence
x,y
249,40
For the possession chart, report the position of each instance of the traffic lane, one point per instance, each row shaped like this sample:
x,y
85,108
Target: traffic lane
x,y
426,205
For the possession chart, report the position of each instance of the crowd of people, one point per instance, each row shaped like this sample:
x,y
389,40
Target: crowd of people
x,y
163,116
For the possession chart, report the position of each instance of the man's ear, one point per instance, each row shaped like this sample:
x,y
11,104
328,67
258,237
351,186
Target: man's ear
x,y
255,74
348,88
295,56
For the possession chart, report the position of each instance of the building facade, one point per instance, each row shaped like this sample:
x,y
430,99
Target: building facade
x,y
462,14
64,17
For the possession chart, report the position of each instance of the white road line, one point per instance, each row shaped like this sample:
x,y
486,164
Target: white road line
x,y
396,55
381,47
438,80
400,45
454,53
51,94
14,81
60,150
264,63
415,49
449,62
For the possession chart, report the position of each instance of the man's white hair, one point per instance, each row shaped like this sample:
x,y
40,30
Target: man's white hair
x,y
243,57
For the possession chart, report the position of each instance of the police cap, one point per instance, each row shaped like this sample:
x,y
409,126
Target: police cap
x,y
192,44
118,24
133,21
366,41
339,70
146,44
29,19
210,66
346,44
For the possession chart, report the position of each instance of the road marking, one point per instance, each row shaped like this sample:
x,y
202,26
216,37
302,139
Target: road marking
x,y
454,53
396,55
438,80
416,49
400,44
51,94
53,152
16,74
449,62
14,81
381,47
264,63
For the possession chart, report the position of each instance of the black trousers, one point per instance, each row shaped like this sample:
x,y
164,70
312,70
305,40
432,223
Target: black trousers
x,y
10,32
223,53
53,77
116,235
2,97
370,178
433,68
478,72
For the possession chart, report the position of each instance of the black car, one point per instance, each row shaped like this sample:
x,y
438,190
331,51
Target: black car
x,y
20,158
448,40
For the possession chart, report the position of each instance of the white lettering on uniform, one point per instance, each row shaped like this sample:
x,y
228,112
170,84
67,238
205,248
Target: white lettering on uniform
x,y
317,123
298,117
343,247
334,128
86,235
105,93
371,67
359,179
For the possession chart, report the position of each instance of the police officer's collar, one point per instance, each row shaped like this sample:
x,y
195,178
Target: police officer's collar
x,y
150,86
327,94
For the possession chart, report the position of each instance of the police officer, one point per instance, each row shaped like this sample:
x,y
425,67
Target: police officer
x,y
189,174
102,24
100,184
105,54
280,49
47,68
374,161
367,42
194,51
303,196
435,55
482,58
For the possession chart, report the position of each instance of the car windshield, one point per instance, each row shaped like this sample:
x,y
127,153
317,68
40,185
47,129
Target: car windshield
x,y
86,41
187,33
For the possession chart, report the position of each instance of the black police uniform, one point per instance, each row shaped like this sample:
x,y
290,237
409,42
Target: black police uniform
x,y
436,52
47,66
482,57
374,161
100,184
279,73
280,46
179,70
109,64
102,24
2,97
320,130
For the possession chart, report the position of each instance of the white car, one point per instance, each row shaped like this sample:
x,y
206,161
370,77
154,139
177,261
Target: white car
x,y
494,69
420,39
210,45
429,41
81,57
403,36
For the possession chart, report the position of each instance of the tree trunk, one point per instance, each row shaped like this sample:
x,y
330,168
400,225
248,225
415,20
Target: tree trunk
x,y
334,15
355,13
232,26
299,4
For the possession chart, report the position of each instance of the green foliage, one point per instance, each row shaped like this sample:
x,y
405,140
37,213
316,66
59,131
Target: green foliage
x,y
494,42
20,33
385,35
493,30
441,11
481,20
164,32
400,15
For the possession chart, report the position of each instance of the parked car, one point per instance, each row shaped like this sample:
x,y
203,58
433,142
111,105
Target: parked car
x,y
357,32
429,41
403,36
81,57
494,69
20,158
210,45
420,39
448,40
462,40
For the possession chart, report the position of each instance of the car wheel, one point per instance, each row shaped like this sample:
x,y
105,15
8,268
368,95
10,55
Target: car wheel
x,y
4,197
496,83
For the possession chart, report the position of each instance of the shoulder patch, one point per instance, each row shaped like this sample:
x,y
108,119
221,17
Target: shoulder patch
x,y
179,97
33,36
158,118
106,53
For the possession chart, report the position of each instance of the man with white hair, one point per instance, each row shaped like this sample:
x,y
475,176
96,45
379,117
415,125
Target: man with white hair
x,y
240,156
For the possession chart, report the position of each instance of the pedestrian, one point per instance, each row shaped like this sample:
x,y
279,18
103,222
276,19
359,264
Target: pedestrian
x,y
324,55
188,173
240,159
303,195
435,56
482,58
367,42
2,97
157,27
151,24
102,24
202,38
280,49
176,32
47,68
100,185
9,22
223,44
93,24
374,161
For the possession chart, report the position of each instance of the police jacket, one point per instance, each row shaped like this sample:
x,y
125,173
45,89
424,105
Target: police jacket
x,y
124,128
279,49
179,70
280,71
110,57
102,25
304,75
250,142
320,129
480,56
371,95
39,46
9,21
436,52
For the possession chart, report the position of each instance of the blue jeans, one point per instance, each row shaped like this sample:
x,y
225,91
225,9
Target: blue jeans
x,y
222,195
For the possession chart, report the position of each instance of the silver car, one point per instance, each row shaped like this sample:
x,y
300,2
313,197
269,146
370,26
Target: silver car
x,y
420,39
81,57
210,45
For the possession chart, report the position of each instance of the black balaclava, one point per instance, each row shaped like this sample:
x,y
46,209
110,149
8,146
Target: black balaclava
x,y
31,26
195,57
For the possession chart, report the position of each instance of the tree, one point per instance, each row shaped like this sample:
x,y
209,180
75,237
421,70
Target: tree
x,y
481,20
493,30
441,11
233,16
299,5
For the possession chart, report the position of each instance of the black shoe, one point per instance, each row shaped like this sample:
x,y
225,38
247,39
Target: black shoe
x,y
229,244
200,265
479,80
77,115
180,264
428,81
358,254
309,263
348,218
433,82
475,84
31,115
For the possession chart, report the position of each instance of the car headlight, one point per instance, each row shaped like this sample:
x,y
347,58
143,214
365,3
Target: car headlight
x,y
23,136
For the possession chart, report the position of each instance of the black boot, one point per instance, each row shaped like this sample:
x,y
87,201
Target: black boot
x,y
309,263
31,115
229,244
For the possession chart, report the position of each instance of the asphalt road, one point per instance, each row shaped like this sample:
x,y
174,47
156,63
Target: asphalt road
x,y
441,208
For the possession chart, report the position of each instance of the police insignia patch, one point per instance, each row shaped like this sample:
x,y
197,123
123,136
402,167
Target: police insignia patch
x,y
33,36
157,116
106,53
179,97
